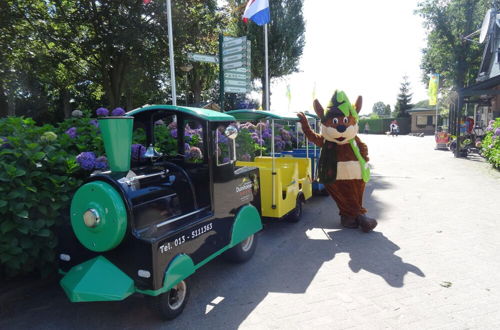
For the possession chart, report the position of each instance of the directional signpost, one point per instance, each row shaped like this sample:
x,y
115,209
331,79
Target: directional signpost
x,y
236,65
203,58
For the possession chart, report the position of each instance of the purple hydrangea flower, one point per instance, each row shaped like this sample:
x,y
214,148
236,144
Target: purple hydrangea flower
x,y
71,132
4,143
86,160
102,112
118,112
101,163
172,125
159,122
225,160
138,151
173,132
94,123
187,147
497,131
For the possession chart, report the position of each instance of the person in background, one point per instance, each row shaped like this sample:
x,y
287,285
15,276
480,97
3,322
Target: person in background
x,y
394,128
367,128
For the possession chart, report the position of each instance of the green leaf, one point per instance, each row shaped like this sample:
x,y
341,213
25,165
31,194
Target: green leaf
x,y
7,226
44,233
23,214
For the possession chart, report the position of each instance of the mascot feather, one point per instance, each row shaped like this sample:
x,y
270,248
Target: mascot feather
x,y
343,164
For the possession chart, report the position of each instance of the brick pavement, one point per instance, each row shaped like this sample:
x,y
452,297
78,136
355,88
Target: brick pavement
x,y
431,264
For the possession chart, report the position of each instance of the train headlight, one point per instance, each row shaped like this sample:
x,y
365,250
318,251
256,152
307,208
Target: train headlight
x,y
91,218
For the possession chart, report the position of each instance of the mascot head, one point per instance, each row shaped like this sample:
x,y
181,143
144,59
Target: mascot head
x,y
339,123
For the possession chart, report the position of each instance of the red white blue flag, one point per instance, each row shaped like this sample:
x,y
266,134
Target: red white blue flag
x,y
257,11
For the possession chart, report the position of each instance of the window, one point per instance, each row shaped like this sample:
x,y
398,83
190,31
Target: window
x,y
225,146
421,120
165,134
193,141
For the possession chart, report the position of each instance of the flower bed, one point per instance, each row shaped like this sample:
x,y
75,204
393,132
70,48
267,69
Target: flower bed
x,y
491,143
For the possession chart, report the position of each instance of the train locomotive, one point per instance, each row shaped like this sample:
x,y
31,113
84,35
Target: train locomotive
x,y
150,222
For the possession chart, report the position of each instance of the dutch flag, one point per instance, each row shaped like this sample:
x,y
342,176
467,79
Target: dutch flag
x,y
257,11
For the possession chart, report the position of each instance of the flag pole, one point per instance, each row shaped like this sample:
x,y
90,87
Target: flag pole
x,y
267,67
437,102
171,52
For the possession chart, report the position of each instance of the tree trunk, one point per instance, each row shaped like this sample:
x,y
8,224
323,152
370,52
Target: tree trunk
x,y
4,105
129,100
66,104
11,101
196,87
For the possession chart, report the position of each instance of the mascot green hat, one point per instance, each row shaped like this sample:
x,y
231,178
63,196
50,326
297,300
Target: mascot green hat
x,y
339,101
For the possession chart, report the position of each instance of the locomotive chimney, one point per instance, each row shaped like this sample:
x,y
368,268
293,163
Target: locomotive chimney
x,y
117,136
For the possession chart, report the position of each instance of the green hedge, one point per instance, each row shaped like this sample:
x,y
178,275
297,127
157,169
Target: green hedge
x,y
38,175
381,125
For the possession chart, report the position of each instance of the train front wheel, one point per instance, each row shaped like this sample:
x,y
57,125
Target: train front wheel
x,y
172,303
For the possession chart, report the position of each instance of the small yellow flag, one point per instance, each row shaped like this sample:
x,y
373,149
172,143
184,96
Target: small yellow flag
x,y
433,88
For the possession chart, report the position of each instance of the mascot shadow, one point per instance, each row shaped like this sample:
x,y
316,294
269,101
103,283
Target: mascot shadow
x,y
374,253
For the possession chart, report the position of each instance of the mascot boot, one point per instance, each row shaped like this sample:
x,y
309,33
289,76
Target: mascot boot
x,y
342,167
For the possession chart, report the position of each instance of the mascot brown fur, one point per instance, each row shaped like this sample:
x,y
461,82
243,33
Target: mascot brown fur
x,y
342,165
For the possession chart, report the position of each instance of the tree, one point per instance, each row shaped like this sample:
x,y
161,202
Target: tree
x,y
285,37
447,53
382,110
403,102
63,54
197,24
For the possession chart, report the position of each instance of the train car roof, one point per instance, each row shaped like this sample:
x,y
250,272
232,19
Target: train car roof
x,y
252,115
203,114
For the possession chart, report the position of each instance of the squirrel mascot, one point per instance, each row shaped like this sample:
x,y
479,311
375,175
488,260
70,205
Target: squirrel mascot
x,y
342,167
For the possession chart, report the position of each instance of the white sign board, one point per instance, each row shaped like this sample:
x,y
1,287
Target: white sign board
x,y
203,58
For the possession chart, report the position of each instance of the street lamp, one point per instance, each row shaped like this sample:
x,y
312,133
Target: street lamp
x,y
186,68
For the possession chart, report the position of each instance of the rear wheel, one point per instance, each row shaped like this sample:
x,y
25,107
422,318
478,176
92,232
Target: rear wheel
x,y
172,303
243,251
296,213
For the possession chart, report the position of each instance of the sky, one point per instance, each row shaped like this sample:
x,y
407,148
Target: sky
x,y
362,47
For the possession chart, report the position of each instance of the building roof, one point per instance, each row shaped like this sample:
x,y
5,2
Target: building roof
x,y
420,110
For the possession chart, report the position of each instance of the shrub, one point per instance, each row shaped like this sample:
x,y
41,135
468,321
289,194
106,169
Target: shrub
x,y
491,143
37,178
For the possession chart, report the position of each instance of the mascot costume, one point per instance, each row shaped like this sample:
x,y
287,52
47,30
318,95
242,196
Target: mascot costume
x,y
342,167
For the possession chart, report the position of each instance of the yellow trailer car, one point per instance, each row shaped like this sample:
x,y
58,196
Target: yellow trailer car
x,y
285,182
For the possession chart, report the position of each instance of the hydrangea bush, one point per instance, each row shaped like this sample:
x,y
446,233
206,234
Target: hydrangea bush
x,y
37,178
491,143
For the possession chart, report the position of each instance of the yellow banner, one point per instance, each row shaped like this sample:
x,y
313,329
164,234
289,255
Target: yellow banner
x,y
433,88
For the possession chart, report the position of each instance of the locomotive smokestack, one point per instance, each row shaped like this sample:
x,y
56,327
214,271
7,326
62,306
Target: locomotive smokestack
x,y
117,136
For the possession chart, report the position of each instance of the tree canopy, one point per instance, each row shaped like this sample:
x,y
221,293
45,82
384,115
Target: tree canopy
x,y
403,102
62,55
448,53
381,109
65,55
286,38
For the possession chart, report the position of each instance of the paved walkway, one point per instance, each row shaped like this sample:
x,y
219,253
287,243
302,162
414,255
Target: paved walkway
x,y
433,261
